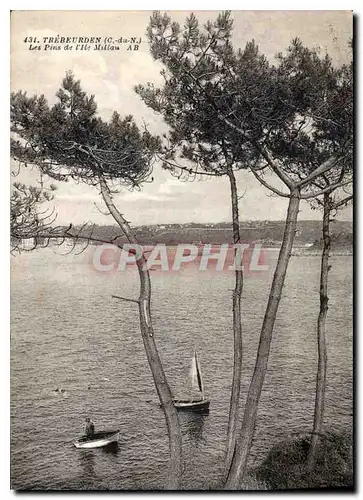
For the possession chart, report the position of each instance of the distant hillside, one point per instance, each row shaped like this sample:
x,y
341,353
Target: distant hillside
x,y
268,233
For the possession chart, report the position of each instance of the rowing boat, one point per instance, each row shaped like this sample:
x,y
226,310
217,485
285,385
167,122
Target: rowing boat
x,y
98,440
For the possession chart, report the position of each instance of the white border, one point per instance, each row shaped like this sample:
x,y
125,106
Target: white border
x,y
184,5
4,212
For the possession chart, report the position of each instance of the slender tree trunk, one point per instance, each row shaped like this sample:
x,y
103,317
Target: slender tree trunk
x,y
321,337
147,333
243,445
237,333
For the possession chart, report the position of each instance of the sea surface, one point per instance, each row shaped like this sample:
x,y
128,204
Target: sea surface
x,y
68,333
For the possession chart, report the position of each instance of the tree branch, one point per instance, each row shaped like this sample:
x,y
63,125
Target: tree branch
x,y
340,203
324,167
268,186
328,189
48,235
188,169
125,299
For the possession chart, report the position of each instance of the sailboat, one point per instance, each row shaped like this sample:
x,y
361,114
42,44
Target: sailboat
x,y
198,403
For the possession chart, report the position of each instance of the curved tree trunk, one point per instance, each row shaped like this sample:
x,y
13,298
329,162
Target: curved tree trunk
x,y
321,337
243,445
237,333
147,333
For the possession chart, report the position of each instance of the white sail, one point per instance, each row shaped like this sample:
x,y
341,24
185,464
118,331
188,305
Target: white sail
x,y
199,375
193,377
196,376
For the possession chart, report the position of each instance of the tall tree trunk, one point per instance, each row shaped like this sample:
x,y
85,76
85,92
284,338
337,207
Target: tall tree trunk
x,y
243,445
237,333
321,337
147,333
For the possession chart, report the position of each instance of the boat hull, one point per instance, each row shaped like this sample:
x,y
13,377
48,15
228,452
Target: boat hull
x,y
99,440
201,405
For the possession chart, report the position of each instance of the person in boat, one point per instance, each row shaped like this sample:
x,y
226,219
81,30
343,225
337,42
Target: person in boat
x,y
89,428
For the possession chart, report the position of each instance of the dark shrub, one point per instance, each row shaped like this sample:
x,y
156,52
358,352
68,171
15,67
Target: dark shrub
x,y
285,466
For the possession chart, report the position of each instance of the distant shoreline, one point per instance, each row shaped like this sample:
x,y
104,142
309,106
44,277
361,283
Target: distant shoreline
x,y
316,252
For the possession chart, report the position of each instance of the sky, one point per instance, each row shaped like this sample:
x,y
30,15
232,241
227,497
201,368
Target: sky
x,y
111,77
